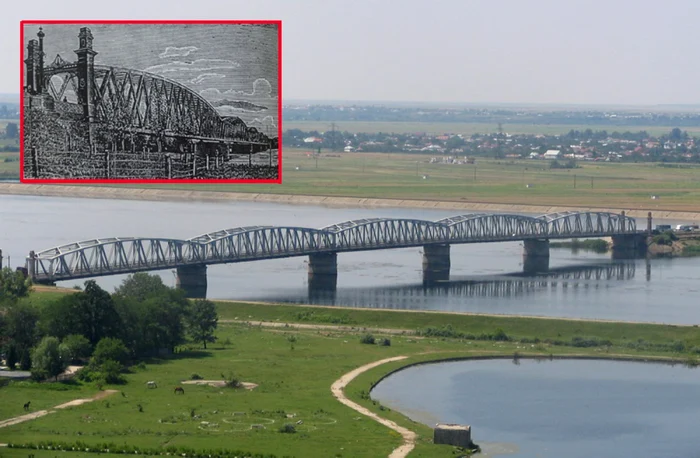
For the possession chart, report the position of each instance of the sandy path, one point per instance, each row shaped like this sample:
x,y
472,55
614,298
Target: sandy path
x,y
41,413
409,437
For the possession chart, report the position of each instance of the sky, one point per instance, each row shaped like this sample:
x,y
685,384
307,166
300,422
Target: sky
x,y
222,63
617,52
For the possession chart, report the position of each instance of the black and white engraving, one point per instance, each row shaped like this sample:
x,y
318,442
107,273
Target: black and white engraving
x,y
166,101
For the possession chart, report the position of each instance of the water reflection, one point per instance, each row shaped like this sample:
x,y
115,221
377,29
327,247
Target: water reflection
x,y
513,285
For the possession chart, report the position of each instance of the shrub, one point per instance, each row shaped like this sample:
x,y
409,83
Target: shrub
x,y
385,342
368,339
195,377
111,371
288,429
231,381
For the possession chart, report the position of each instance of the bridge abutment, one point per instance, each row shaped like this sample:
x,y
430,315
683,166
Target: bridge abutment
x,y
629,246
436,263
323,271
193,280
535,255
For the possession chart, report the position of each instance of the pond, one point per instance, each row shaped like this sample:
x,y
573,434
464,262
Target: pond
x,y
559,408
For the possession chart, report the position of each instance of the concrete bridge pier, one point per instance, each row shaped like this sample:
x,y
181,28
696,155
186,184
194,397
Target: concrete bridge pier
x,y
323,271
436,263
535,256
193,280
629,246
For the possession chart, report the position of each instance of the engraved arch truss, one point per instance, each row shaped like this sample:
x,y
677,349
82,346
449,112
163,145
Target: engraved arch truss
x,y
135,101
111,256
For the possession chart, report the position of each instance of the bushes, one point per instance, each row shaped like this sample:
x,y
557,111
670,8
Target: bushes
x,y
665,238
288,429
367,339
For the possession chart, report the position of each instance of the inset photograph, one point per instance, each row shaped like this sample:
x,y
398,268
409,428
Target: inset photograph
x,y
161,102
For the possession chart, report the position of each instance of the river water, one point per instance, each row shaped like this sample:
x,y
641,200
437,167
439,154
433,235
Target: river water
x,y
554,409
485,278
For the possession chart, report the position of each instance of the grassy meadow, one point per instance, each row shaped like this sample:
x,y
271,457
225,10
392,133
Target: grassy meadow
x,y
400,176
294,368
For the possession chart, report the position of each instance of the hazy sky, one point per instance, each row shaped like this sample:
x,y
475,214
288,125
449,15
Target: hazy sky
x,y
521,51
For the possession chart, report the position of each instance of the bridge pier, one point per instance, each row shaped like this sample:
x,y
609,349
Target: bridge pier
x,y
323,271
193,280
436,263
535,255
629,246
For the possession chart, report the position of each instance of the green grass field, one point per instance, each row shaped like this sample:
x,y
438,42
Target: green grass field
x,y
294,369
470,128
400,176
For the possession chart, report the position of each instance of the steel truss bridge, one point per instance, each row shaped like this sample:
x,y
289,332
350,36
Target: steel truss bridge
x,y
112,256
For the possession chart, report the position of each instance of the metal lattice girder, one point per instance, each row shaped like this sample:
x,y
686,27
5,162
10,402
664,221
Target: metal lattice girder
x,y
91,258
588,224
492,226
383,232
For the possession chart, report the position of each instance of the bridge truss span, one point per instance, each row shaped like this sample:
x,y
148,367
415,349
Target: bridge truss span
x,y
484,226
117,255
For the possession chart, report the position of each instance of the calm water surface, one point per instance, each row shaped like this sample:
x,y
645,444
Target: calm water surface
x,y
485,278
560,408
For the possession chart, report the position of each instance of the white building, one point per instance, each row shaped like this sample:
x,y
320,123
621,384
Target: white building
x,y
552,154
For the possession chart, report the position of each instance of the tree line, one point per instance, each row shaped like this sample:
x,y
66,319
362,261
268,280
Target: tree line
x,y
143,318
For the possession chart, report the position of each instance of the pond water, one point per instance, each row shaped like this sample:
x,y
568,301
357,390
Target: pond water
x,y
558,408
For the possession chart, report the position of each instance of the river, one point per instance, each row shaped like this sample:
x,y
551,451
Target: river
x,y
485,278
559,408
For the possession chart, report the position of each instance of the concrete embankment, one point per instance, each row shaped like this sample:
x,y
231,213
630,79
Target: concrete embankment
x,y
97,192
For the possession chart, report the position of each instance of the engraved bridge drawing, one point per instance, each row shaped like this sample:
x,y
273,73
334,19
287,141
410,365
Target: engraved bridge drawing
x,y
95,121
110,256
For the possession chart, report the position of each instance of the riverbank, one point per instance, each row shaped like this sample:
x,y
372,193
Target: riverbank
x,y
119,193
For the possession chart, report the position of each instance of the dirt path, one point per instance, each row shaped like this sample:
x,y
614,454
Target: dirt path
x,y
321,327
41,413
409,437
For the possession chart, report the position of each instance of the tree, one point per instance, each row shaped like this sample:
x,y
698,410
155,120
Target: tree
x,y
77,346
13,285
675,135
49,359
454,142
11,130
202,321
140,286
21,321
109,349
98,315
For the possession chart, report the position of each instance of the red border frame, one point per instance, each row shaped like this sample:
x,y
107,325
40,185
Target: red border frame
x,y
141,181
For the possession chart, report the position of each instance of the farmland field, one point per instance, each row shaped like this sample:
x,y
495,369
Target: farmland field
x,y
519,181
471,128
